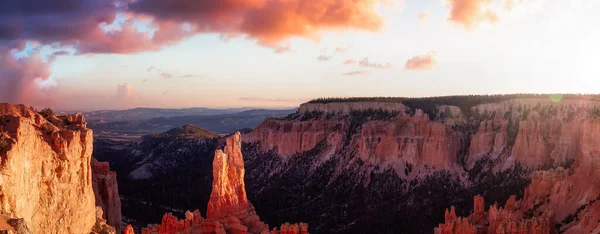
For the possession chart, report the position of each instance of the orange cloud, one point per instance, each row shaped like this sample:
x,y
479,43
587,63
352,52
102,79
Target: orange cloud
x,y
355,73
268,22
423,16
349,61
470,13
84,24
421,62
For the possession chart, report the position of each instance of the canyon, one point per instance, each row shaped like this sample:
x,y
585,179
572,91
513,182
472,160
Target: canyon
x,y
459,164
229,210
539,151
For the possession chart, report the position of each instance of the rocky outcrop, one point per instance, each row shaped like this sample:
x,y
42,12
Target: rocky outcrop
x,y
45,172
106,191
128,230
229,210
496,221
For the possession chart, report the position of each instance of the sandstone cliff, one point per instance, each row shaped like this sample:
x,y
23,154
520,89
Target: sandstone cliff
x,y
106,191
533,132
45,173
229,210
569,198
437,151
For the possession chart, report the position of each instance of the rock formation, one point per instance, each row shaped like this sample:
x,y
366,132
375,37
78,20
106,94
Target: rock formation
x,y
496,221
229,210
45,172
569,198
530,131
473,143
106,191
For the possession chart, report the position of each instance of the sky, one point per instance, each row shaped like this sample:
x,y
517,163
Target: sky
x,y
117,54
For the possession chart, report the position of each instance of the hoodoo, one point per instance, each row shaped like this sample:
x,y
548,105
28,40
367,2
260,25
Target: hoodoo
x,y
229,210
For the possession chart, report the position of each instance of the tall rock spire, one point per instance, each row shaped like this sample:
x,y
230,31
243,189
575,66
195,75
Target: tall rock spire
x,y
229,210
228,191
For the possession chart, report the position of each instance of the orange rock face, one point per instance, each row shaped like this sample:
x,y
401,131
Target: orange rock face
x,y
229,210
128,230
45,172
106,191
496,221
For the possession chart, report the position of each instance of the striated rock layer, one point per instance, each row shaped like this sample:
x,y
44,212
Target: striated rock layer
x,y
532,132
45,172
569,198
106,191
229,210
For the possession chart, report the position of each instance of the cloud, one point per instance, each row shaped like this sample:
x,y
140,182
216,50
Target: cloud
x,y
268,22
355,73
342,49
421,62
423,16
126,96
131,26
112,26
283,49
187,76
264,99
366,63
349,61
162,73
324,57
510,4
470,13
23,72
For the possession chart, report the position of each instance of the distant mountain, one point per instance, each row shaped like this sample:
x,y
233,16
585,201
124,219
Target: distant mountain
x,y
221,123
107,116
189,131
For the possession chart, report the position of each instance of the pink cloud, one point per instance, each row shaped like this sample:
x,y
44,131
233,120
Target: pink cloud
x,y
366,63
349,61
421,62
355,73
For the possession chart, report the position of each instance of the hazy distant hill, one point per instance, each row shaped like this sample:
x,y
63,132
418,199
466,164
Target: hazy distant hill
x,y
107,116
219,123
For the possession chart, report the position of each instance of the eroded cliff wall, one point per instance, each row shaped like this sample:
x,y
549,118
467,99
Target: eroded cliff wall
x,y
45,173
106,191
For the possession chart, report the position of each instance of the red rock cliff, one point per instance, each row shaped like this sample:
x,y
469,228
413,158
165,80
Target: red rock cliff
x,y
529,131
569,198
45,172
106,191
229,210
